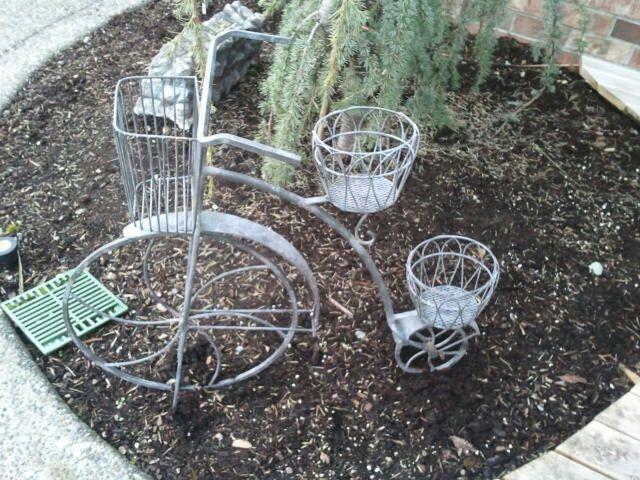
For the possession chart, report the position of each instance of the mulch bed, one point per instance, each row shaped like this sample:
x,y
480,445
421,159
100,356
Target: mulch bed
x,y
555,190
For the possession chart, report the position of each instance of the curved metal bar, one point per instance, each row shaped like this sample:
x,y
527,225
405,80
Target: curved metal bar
x,y
403,365
456,357
269,240
418,354
206,140
286,338
411,143
435,344
232,226
372,236
151,356
406,366
301,202
224,275
74,336
216,352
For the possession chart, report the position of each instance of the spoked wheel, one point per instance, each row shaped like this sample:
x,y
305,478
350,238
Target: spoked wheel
x,y
435,348
248,302
260,332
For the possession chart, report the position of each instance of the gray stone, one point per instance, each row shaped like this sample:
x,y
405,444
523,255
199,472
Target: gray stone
x,y
173,98
605,450
623,415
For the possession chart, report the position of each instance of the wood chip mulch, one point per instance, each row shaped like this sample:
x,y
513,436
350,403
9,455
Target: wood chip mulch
x,y
555,190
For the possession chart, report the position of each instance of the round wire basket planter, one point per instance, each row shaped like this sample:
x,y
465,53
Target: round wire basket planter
x,y
364,156
451,279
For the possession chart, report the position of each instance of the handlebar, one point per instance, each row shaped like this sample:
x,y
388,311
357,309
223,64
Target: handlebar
x,y
250,146
205,102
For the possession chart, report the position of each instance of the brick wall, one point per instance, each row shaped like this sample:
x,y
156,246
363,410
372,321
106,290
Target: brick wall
x,y
613,33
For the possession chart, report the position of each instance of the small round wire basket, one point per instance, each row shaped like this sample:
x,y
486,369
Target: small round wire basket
x,y
364,156
451,280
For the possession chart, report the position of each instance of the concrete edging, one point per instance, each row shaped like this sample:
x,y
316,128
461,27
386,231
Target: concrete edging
x,y
41,437
38,29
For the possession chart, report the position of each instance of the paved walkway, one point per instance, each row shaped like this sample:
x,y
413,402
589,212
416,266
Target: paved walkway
x,y
607,448
40,438
31,31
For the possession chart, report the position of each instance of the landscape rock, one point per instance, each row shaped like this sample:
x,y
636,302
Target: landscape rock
x,y
173,99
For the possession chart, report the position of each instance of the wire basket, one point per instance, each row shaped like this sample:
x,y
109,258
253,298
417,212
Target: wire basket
x,y
451,280
157,150
364,156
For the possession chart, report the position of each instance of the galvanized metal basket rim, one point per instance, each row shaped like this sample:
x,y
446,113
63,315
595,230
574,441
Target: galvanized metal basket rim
x,y
404,142
453,254
123,80
398,113
401,141
493,272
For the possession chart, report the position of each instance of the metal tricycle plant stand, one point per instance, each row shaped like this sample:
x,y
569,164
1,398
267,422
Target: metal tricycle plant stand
x,y
363,155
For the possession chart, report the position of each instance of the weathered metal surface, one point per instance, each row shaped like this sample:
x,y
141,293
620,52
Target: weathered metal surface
x,y
163,173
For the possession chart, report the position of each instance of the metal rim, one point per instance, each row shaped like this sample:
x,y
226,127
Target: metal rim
x,y
390,173
494,273
118,88
409,142
447,345
286,333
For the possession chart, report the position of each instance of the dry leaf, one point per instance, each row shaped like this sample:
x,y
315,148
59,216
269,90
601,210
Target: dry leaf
x,y
324,458
572,378
237,443
461,444
631,375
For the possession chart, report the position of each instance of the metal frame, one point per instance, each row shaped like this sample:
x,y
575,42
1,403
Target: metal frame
x,y
224,228
363,156
451,279
188,220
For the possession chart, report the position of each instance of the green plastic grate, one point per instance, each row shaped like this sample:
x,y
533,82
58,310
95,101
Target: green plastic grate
x,y
38,312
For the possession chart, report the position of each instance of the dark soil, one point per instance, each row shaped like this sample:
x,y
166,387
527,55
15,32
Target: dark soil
x,y
550,192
